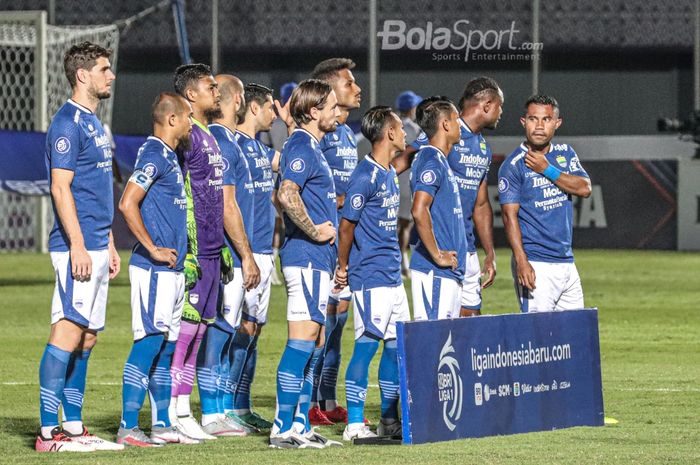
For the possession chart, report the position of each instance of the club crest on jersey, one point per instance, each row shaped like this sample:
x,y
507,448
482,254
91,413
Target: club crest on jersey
x,y
297,165
250,148
62,145
461,142
357,201
428,177
194,299
503,185
150,170
561,160
335,136
482,146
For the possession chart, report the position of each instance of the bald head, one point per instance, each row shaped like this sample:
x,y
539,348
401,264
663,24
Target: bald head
x,y
168,104
229,86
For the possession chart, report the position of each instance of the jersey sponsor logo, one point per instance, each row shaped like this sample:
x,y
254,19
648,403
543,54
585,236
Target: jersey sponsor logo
x,y
62,145
461,142
103,140
335,136
345,152
150,170
449,384
561,161
357,201
476,160
503,185
427,177
540,181
297,165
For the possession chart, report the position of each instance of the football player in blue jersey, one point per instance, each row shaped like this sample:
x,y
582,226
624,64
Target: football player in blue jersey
x,y
155,209
307,196
340,149
369,260
480,108
79,165
536,184
438,261
214,377
257,115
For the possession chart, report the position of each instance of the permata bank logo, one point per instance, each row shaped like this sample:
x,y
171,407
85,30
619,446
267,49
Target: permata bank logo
x,y
460,42
450,387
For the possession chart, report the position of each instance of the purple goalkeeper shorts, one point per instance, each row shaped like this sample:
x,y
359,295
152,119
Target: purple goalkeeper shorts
x,y
203,299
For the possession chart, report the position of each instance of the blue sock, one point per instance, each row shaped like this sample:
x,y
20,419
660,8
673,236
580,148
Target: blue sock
x,y
241,402
224,386
209,367
331,320
136,377
290,378
160,385
357,377
302,413
74,389
239,353
389,380
52,379
331,362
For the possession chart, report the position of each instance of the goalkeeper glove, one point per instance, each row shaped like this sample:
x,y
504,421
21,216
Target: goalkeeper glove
x,y
192,271
226,265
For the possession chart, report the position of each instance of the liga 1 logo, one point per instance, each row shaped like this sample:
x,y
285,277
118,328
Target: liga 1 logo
x,y
450,387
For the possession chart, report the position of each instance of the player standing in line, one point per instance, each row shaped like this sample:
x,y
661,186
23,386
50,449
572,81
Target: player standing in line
x,y
207,256
480,108
79,165
155,209
438,261
340,149
256,115
369,260
213,364
535,185
307,196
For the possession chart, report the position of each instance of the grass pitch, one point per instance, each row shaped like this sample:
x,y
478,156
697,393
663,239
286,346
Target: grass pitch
x,y
650,347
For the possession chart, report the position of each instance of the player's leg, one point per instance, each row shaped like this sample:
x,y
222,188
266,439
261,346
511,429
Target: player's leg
x,y
389,423
367,308
327,395
571,297
471,287
434,298
547,288
306,306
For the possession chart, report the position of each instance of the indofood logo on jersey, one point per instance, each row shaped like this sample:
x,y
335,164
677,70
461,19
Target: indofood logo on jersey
x,y
462,41
450,387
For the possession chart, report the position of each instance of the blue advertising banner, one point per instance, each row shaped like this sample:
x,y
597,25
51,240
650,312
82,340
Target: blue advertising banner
x,y
23,160
499,374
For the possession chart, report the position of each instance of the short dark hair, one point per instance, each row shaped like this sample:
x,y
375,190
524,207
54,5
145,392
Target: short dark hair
x,y
328,69
374,121
253,93
310,93
82,56
165,104
541,99
479,88
427,101
431,113
187,76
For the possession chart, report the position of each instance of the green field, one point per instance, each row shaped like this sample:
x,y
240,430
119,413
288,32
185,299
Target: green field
x,y
650,347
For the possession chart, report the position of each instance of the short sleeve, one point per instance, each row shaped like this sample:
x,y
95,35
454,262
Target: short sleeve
x,y
64,146
149,167
509,183
575,168
298,167
420,141
359,192
229,152
428,176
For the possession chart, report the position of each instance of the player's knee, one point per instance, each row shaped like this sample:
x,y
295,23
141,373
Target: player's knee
x,y
66,335
467,312
89,341
248,327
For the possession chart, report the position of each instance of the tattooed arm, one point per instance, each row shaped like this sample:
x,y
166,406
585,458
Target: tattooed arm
x,y
290,199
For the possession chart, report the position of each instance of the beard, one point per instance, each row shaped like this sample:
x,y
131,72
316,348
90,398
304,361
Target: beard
x,y
213,113
328,127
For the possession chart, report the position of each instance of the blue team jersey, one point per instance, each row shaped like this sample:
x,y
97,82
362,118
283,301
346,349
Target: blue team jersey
x,y
373,204
340,149
303,163
236,173
76,141
546,212
432,174
259,158
470,160
164,209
